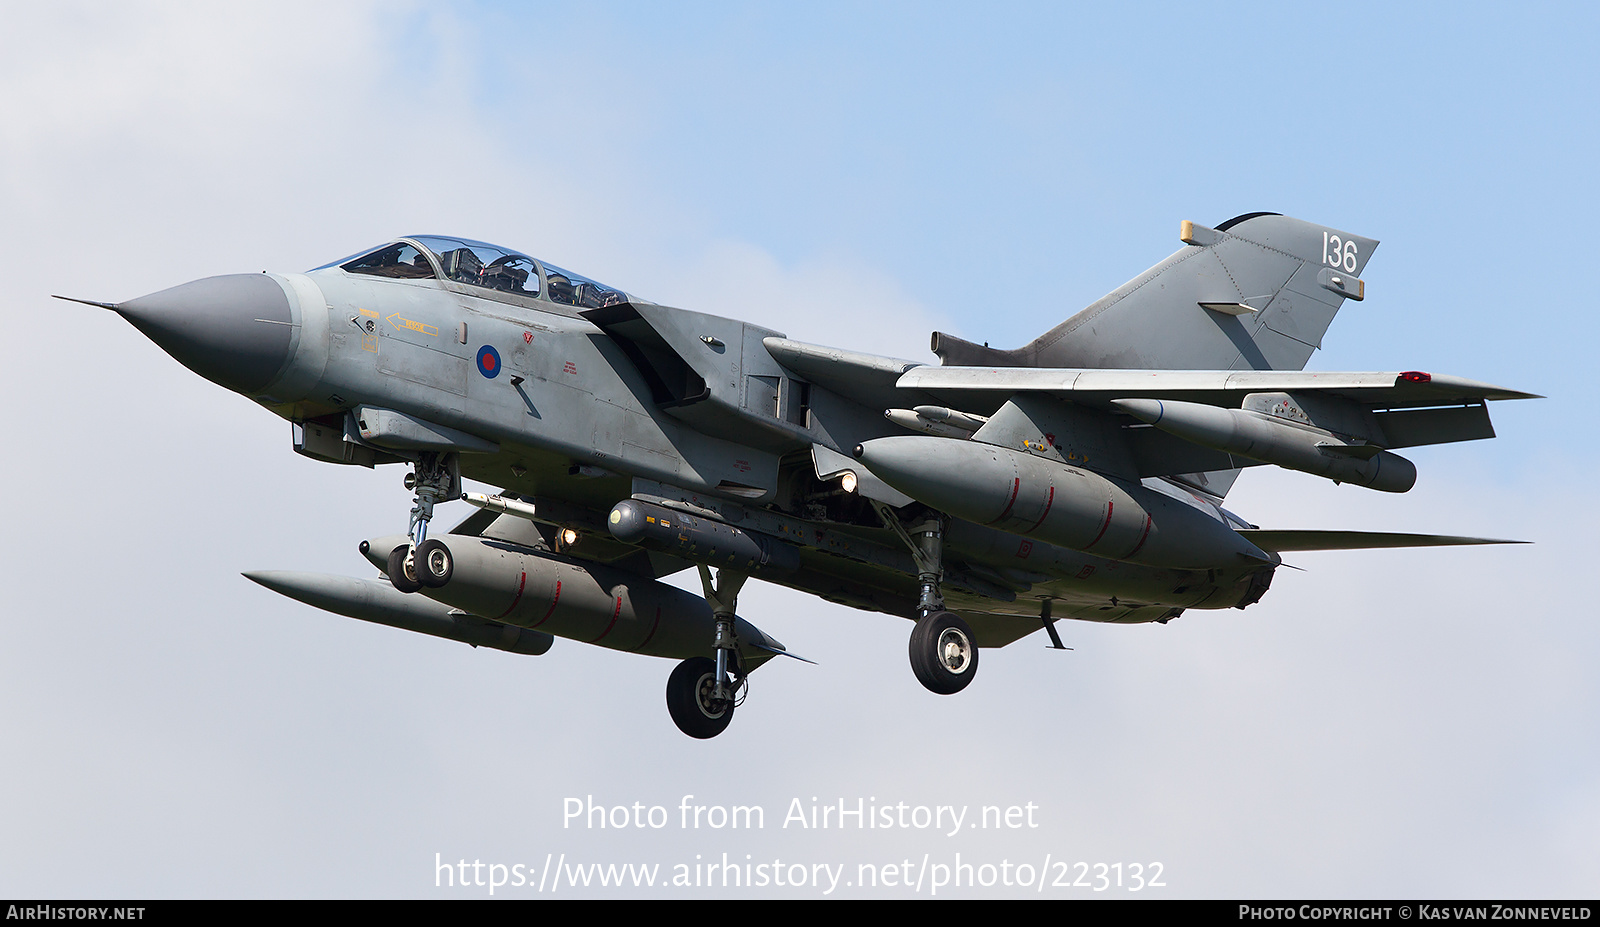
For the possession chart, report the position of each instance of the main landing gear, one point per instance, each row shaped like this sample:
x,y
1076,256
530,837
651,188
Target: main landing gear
x,y
692,700
944,654
434,477
702,693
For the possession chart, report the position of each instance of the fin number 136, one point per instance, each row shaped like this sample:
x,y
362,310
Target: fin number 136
x,y
1336,256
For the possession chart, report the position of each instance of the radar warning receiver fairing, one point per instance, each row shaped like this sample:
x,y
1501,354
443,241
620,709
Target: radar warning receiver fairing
x,y
1080,476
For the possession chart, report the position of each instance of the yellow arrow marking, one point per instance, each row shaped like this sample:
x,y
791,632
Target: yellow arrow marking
x,y
401,324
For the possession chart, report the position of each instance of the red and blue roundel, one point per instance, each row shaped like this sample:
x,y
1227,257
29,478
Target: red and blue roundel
x,y
489,361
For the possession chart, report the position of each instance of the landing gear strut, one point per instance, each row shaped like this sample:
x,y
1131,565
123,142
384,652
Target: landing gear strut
x,y
434,477
944,654
702,693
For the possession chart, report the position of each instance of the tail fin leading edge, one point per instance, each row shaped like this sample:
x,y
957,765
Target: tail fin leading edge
x,y
1255,293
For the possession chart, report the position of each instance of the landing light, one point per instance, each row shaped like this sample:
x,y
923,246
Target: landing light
x,y
848,482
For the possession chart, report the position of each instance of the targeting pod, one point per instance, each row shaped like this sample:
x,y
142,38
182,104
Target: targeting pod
x,y
700,540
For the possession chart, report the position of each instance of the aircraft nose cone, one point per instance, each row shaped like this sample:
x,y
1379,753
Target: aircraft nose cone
x,y
233,330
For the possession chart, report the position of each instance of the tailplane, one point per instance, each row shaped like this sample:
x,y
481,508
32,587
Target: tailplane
x,y
1255,293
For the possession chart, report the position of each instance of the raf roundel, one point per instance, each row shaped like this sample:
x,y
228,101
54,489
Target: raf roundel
x,y
489,361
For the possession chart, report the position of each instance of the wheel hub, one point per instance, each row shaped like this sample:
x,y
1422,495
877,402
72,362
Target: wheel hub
x,y
710,705
954,651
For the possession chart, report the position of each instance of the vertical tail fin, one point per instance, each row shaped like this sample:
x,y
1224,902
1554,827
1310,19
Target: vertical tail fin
x,y
1255,293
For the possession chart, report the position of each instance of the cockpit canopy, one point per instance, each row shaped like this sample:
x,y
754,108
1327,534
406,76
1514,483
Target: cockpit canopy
x,y
479,264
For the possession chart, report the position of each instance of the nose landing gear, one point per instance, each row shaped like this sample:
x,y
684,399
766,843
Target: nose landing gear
x,y
434,477
403,569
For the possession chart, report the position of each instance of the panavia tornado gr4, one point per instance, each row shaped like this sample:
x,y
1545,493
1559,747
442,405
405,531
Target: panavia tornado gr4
x,y
1080,476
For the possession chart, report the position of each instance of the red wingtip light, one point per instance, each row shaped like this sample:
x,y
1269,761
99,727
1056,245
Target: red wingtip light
x,y
1416,376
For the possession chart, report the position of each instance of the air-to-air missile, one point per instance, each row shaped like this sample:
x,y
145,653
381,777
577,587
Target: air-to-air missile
x,y
937,420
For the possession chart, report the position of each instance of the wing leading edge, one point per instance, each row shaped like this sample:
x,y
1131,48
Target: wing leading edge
x,y
1392,390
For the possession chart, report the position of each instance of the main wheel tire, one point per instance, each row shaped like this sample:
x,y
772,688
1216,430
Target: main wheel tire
x,y
402,578
944,654
434,564
689,699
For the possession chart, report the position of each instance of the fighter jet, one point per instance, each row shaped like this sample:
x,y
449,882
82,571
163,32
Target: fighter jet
x,y
1080,476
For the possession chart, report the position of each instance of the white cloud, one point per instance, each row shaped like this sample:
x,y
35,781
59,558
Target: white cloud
x,y
828,299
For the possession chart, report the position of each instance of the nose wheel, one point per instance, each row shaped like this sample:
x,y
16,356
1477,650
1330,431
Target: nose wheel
x,y
433,563
434,477
403,569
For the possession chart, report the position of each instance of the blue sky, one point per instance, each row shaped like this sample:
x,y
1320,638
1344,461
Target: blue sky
x,y
1384,724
